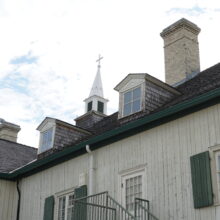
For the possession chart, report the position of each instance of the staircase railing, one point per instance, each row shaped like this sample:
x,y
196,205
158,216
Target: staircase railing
x,y
142,210
102,206
95,208
121,212
89,211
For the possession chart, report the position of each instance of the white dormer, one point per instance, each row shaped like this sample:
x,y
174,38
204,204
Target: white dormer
x,y
96,101
131,94
57,134
142,92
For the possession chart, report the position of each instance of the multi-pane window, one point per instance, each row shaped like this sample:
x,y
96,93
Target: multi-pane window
x,y
46,141
133,189
132,101
66,207
61,209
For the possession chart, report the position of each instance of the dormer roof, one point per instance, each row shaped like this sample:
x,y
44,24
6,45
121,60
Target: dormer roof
x,y
57,121
140,77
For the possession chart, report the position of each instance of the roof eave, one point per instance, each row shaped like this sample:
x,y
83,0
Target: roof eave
x,y
40,164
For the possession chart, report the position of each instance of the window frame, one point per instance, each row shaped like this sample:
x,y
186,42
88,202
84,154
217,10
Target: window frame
x,y
40,150
131,173
123,100
59,195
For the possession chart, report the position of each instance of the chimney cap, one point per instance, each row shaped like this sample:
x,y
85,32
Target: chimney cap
x,y
4,124
182,23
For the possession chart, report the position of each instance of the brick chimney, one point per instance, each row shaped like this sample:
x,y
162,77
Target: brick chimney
x,y
8,131
181,50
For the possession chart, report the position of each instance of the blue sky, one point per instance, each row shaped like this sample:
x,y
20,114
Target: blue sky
x,y
194,11
25,59
48,51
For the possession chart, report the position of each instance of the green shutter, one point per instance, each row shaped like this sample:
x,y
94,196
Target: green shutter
x,y
201,180
49,208
80,209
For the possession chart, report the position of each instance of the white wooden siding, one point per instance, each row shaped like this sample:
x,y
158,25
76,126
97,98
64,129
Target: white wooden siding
x,y
8,200
164,150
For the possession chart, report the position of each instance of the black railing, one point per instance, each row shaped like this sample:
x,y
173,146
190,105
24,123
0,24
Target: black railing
x,y
142,210
102,206
121,212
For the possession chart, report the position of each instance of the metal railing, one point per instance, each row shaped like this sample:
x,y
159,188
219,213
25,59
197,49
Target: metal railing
x,y
102,206
94,212
121,212
142,210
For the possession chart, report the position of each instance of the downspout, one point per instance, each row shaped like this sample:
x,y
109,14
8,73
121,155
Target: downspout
x,y
19,199
91,170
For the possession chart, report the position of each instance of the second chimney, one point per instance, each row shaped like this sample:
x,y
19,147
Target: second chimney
x,y
8,131
181,50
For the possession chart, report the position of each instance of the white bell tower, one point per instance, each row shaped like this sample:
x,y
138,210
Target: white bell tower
x,y
96,101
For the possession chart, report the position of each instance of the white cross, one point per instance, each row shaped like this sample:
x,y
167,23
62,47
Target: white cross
x,y
99,59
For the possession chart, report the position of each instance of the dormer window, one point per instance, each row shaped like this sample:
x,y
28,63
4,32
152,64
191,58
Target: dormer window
x,y
142,92
56,134
47,138
132,101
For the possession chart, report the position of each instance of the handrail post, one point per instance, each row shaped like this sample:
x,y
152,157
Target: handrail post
x,y
135,208
106,206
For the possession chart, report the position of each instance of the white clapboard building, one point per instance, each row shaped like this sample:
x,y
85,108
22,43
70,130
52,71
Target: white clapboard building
x,y
157,157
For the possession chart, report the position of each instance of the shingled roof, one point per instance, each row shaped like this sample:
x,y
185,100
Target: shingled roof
x,y
203,82
202,88
14,155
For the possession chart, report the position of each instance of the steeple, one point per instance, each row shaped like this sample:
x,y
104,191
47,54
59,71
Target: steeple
x,y
97,84
96,101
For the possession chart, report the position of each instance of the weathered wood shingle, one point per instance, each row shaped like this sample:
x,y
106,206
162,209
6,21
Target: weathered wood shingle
x,y
14,155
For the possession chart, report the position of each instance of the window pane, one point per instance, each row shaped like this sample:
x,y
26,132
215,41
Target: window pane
x,y
132,97
127,97
66,207
70,209
137,93
71,199
70,213
61,210
136,106
46,140
133,189
127,109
